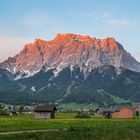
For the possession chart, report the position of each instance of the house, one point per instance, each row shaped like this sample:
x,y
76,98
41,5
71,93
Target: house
x,y
45,111
122,112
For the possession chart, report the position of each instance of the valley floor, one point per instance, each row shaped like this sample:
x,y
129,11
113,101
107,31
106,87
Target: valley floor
x,y
66,127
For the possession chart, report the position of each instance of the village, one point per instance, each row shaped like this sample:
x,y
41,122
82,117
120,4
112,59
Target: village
x,y
48,111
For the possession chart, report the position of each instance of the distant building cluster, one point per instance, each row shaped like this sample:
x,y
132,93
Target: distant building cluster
x,y
48,111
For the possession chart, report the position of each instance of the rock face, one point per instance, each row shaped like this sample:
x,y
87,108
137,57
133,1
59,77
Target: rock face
x,y
70,50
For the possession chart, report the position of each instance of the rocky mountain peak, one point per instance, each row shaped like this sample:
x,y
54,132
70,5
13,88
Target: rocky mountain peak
x,y
70,49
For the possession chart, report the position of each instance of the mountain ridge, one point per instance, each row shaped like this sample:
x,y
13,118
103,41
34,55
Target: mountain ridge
x,y
69,49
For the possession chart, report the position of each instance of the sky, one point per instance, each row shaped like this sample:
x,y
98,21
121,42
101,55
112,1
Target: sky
x,y
21,21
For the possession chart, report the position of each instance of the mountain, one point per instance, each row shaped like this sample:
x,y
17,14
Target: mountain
x,y
71,68
70,49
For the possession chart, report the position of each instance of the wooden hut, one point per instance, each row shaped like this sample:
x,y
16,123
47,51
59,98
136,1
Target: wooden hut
x,y
45,111
123,112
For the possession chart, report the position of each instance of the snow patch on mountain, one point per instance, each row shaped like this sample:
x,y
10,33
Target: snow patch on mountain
x,y
33,89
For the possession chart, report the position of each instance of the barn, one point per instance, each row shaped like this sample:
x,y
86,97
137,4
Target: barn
x,y
45,111
123,112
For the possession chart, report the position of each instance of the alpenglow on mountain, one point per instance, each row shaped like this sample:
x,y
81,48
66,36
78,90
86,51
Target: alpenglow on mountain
x,y
70,50
71,68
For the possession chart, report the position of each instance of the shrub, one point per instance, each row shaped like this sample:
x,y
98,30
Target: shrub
x,y
4,112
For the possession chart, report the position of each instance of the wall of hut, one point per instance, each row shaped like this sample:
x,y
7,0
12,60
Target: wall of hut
x,y
123,113
47,115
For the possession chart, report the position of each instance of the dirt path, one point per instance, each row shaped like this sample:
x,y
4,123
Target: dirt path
x,y
27,131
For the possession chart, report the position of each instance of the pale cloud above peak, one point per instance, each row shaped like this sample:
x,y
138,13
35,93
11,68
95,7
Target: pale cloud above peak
x,y
103,16
97,16
108,17
123,21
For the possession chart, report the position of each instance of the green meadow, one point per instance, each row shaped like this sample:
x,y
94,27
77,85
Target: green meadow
x,y
66,127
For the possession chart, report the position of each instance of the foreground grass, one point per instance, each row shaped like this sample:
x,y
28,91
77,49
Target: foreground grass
x,y
28,122
80,133
77,129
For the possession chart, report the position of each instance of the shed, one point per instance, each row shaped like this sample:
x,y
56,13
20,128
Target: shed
x,y
123,112
45,111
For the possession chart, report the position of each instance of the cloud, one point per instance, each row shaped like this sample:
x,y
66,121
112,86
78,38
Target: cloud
x,y
108,18
121,24
103,16
123,21
119,21
97,16
9,46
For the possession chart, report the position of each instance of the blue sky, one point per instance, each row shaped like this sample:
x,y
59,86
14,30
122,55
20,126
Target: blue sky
x,y
21,21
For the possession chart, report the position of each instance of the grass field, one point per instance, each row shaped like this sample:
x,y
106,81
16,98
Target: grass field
x,y
75,106
69,128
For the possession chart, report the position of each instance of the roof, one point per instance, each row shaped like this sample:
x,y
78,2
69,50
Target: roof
x,y
109,110
45,108
127,106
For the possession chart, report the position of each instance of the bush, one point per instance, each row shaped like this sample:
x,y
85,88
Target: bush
x,y
4,112
21,109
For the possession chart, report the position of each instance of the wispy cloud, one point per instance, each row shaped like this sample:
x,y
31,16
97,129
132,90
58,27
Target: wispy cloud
x,y
109,18
119,21
123,21
97,16
103,16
